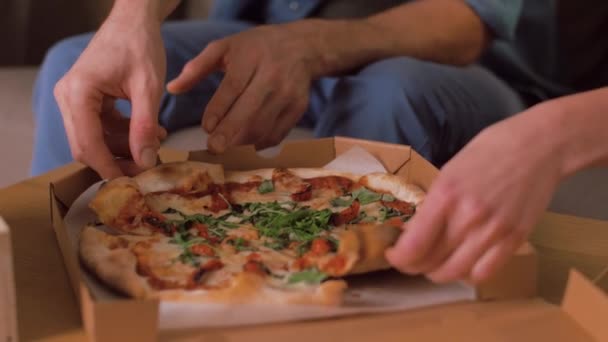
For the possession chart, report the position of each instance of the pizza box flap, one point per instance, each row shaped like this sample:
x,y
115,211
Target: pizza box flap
x,y
303,153
104,320
8,307
392,156
587,304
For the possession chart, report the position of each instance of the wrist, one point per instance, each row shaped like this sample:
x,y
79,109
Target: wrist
x,y
553,127
137,12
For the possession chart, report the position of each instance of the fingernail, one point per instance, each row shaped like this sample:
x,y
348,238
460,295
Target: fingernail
x,y
211,123
148,157
218,142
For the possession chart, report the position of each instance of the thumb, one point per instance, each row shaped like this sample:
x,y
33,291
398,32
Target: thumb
x,y
143,130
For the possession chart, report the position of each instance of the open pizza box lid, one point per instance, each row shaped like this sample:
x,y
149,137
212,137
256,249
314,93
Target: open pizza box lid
x,y
128,319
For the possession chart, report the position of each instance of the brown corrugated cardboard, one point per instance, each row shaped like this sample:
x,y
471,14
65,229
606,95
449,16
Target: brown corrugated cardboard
x,y
8,308
587,305
47,308
516,280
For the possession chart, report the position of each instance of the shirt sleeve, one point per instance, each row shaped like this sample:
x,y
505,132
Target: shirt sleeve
x,y
501,16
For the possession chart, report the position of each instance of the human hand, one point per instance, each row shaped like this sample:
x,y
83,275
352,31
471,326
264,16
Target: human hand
x,y
124,60
265,90
483,204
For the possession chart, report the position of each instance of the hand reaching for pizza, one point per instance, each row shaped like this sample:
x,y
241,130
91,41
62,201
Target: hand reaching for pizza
x,y
265,90
483,205
132,67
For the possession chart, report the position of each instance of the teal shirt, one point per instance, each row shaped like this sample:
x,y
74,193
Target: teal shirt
x,y
523,52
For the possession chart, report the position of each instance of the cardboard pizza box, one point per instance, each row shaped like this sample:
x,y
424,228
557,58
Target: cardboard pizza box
x,y
112,320
8,308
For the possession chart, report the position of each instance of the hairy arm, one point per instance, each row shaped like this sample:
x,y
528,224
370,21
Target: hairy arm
x,y
443,31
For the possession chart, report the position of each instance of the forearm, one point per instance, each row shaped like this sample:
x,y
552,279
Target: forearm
x,y
576,127
443,31
148,10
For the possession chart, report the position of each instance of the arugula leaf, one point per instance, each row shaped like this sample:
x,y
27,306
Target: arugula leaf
x,y
275,221
341,202
241,244
303,248
185,242
334,243
310,276
388,198
386,213
366,196
277,244
266,186
362,217
187,257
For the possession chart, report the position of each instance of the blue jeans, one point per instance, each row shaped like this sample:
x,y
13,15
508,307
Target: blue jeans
x,y
434,108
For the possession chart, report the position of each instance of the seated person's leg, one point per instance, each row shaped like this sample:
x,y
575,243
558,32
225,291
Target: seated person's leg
x,y
183,41
432,107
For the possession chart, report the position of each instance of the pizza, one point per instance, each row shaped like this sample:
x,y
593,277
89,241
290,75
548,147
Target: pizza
x,y
190,231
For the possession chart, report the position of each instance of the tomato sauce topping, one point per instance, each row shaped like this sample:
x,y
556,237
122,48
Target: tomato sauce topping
x,y
340,184
396,222
202,249
254,267
335,266
212,265
304,193
401,206
133,208
302,263
254,257
346,215
202,230
320,247
218,203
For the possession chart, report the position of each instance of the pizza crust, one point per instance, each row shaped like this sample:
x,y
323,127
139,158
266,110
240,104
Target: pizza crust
x,y
180,176
367,242
249,288
115,267
394,185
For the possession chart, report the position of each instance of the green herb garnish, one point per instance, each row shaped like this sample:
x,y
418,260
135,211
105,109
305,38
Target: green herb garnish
x,y
303,248
341,202
266,186
388,198
275,221
215,226
310,276
386,213
241,244
185,241
363,218
277,244
366,196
